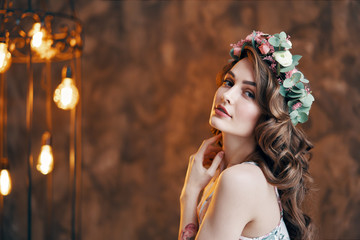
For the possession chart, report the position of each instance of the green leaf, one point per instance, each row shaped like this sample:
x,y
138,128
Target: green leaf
x,y
274,41
294,121
304,109
283,91
288,83
296,90
285,45
286,69
296,76
282,36
304,80
294,114
296,95
291,103
303,117
296,58
307,100
300,85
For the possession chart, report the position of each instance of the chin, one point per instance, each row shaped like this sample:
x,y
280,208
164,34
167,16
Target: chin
x,y
215,123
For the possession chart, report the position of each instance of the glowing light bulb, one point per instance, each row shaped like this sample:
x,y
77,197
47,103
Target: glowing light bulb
x,y
46,159
66,95
5,182
40,42
37,37
5,57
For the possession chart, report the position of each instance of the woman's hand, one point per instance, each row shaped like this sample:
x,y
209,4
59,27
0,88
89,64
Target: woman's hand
x,y
202,166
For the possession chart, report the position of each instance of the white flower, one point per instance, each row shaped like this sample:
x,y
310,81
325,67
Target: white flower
x,y
283,57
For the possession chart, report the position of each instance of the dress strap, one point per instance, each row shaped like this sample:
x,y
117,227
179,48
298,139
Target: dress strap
x,y
279,201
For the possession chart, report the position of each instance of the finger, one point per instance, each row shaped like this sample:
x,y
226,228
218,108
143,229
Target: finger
x,y
210,155
207,163
216,162
212,148
208,142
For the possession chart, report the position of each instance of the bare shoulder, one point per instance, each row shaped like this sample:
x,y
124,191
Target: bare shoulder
x,y
244,179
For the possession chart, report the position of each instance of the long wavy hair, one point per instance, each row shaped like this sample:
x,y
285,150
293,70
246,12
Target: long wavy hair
x,y
282,150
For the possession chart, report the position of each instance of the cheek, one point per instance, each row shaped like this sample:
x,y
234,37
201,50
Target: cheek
x,y
248,112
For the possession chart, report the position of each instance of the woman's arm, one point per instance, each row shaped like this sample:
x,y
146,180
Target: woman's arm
x,y
188,218
197,177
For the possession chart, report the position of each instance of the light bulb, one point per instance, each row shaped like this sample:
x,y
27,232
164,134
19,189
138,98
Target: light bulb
x,y
5,57
66,95
5,182
46,160
40,42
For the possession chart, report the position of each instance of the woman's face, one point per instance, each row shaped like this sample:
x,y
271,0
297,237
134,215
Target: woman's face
x,y
234,109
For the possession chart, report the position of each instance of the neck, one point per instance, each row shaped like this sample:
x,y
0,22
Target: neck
x,y
237,148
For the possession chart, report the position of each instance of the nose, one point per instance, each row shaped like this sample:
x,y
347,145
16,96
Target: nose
x,y
229,96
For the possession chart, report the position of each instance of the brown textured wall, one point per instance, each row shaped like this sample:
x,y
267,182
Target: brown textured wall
x,y
148,82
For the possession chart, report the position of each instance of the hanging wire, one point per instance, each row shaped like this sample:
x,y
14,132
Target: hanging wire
x,y
29,6
72,6
29,121
78,132
2,117
49,177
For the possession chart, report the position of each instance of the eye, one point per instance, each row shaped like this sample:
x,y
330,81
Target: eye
x,y
250,94
228,82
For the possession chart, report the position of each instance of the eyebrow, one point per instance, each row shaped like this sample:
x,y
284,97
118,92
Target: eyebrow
x,y
245,81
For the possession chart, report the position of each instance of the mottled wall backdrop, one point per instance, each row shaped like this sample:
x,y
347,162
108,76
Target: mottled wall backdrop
x,y
148,81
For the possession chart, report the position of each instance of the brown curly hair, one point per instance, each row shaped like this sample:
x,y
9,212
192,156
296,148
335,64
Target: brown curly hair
x,y
282,150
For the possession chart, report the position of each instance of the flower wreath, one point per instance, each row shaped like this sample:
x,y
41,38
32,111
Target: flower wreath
x,y
274,50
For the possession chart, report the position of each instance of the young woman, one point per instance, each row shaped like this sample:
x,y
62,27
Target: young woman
x,y
253,174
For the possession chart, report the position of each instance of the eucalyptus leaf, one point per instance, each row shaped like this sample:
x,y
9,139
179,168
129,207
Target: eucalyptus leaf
x,y
274,41
294,114
285,45
296,58
288,83
282,91
304,80
282,36
307,100
296,76
294,121
304,109
296,89
295,95
286,69
303,117
300,85
291,103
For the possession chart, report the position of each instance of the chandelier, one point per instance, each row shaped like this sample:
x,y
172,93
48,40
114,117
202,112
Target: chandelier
x,y
39,37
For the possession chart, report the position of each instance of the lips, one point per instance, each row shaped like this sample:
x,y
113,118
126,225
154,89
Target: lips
x,y
222,110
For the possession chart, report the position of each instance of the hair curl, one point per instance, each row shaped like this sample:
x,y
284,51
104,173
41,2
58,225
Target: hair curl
x,y
282,150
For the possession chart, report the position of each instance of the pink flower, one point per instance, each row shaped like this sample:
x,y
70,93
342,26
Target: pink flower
x,y
249,37
296,106
264,48
269,58
273,67
290,73
259,39
237,51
